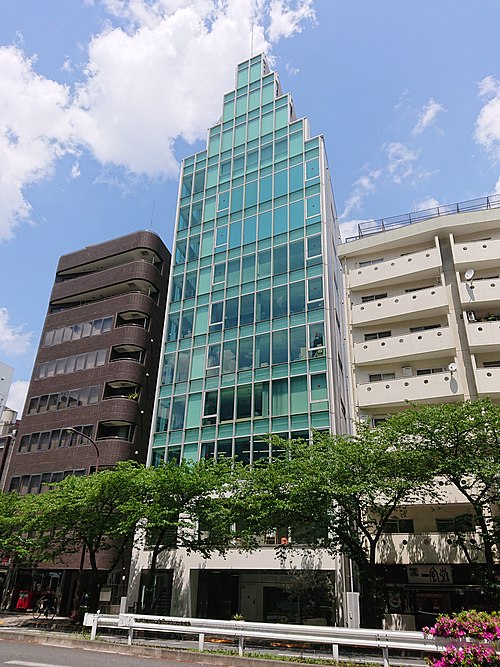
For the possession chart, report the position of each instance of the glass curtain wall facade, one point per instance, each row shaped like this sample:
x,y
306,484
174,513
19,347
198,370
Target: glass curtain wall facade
x,y
253,341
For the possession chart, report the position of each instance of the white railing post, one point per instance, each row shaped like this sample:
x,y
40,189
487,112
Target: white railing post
x,y
130,635
93,632
201,641
241,645
335,651
385,655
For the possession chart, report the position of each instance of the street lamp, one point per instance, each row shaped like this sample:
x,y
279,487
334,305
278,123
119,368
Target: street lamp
x,y
73,430
78,587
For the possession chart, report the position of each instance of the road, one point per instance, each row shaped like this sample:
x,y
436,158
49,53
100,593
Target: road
x,y
40,655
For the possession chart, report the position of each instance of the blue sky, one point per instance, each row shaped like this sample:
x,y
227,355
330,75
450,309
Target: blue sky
x,y
101,99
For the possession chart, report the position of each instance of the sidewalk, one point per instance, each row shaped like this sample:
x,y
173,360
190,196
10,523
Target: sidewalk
x,y
16,619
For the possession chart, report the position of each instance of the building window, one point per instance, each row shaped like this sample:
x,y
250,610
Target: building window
x,y
77,331
429,371
369,262
133,319
67,365
377,335
115,430
373,297
378,377
425,327
459,524
399,526
317,340
64,399
127,353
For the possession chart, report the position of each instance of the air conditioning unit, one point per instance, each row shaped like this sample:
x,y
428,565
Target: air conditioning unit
x,y
407,371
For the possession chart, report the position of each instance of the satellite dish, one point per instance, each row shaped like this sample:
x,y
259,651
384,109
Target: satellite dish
x,y
452,367
469,274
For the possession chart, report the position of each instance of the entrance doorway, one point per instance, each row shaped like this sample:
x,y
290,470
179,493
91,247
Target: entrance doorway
x,y
218,595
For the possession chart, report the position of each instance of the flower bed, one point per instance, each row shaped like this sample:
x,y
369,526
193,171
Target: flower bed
x,y
476,625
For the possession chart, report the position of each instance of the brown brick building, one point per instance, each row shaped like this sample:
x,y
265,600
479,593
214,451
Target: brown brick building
x,y
95,371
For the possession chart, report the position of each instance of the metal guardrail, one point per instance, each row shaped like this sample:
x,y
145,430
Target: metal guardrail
x,y
376,226
241,630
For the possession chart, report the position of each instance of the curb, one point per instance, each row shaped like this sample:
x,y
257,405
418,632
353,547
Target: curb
x,y
184,656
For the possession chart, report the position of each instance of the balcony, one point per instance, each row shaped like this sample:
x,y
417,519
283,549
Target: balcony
x,y
483,336
436,388
476,254
417,266
483,293
431,344
409,549
488,382
411,305
122,389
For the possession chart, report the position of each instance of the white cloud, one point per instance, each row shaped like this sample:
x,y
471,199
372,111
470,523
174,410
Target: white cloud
x,y
424,204
487,132
403,100
286,21
427,116
349,228
362,187
497,186
291,70
488,86
75,170
400,160
13,339
67,65
157,76
34,133
17,396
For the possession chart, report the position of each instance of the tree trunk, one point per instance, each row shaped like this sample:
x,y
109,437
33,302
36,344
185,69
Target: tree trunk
x,y
372,597
97,579
150,585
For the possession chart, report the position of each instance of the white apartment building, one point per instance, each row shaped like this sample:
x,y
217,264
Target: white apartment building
x,y
6,374
423,313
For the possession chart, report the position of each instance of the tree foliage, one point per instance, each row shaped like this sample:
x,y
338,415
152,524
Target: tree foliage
x,y
188,505
461,443
21,539
338,493
97,514
334,492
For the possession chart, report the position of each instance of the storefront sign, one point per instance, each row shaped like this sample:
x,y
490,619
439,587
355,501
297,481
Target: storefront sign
x,y
429,574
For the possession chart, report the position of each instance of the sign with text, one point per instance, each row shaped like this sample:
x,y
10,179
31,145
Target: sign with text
x,y
429,574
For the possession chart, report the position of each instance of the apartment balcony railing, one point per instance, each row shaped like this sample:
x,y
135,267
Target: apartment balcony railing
x,y
437,387
483,293
411,305
483,336
421,548
423,264
488,382
476,254
431,344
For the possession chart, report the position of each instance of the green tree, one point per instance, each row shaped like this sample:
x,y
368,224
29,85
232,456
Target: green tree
x,y
461,444
338,493
188,505
93,515
21,540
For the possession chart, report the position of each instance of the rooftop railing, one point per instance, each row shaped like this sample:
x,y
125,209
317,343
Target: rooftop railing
x,y
370,227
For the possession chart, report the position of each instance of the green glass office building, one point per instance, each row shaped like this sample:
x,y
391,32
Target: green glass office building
x,y
253,333
253,341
